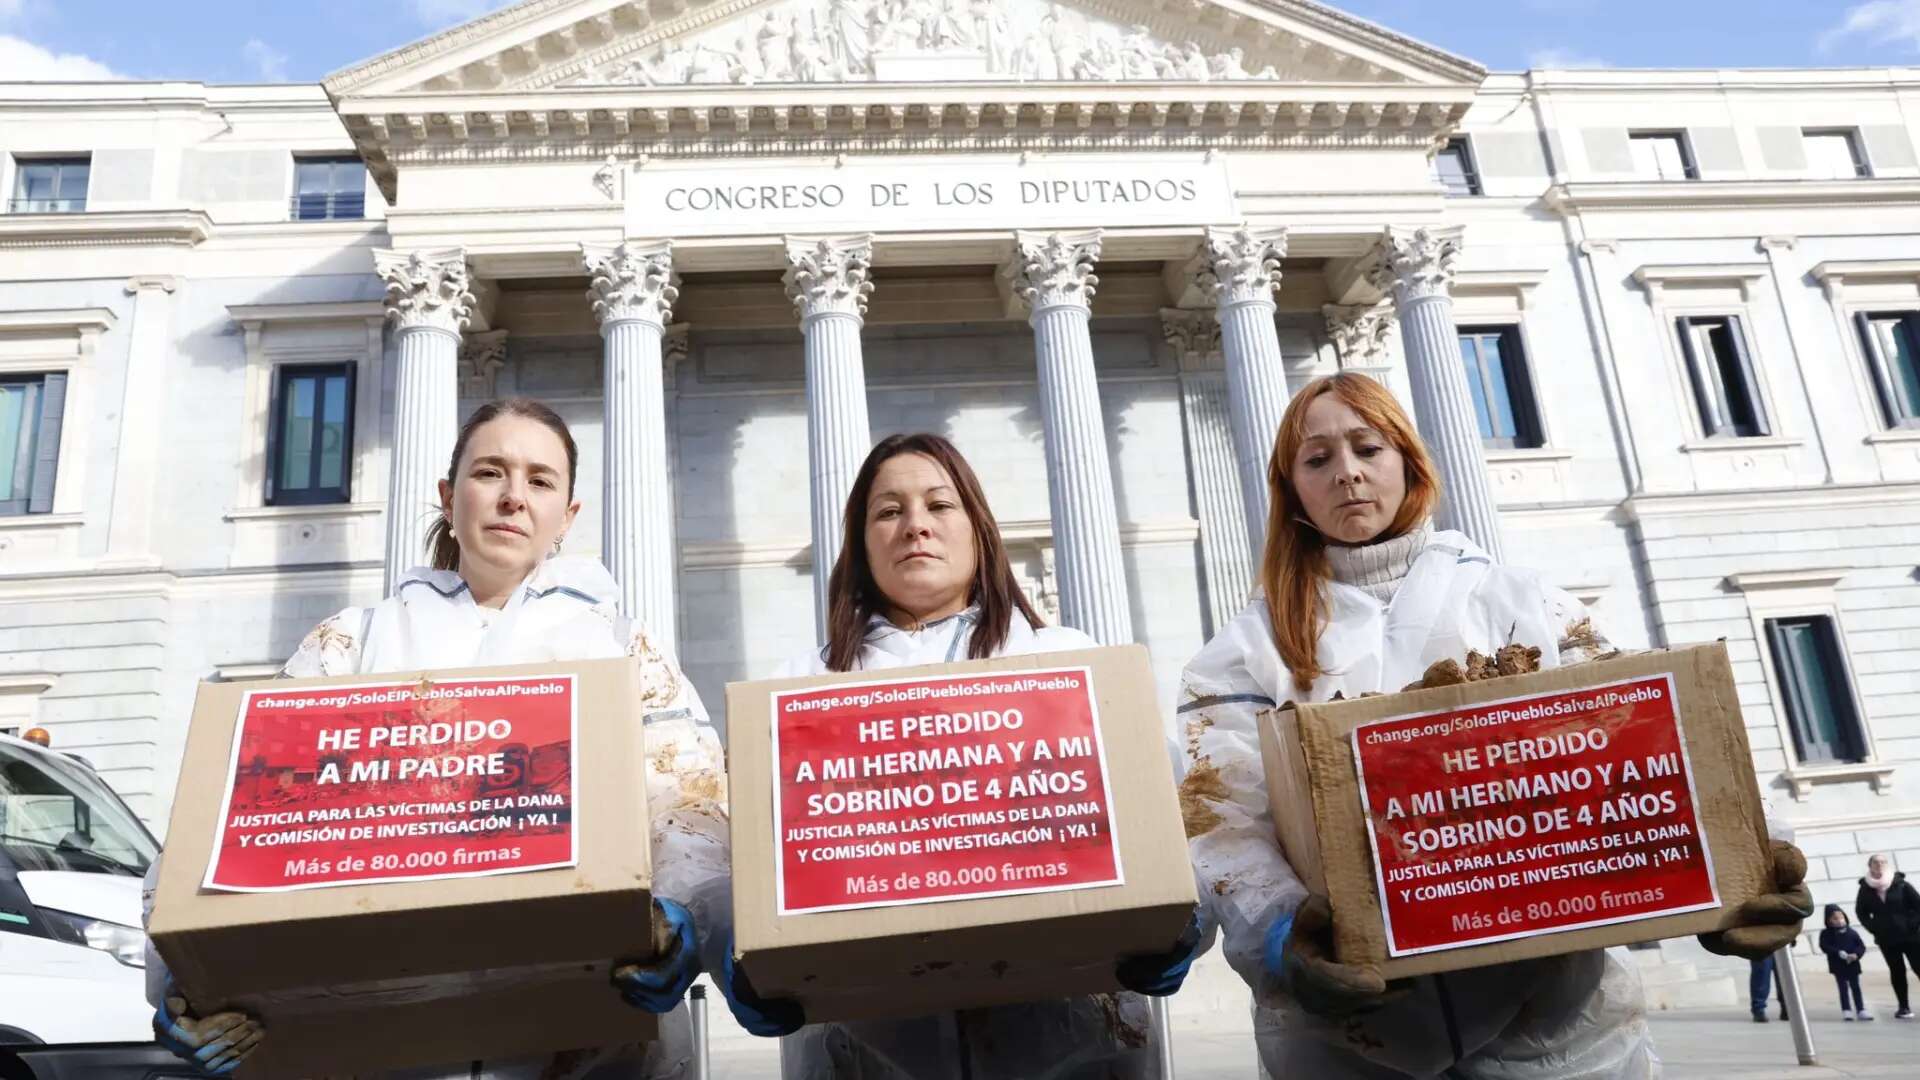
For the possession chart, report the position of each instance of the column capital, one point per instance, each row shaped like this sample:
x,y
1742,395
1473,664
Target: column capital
x,y
426,288
829,275
1416,263
632,280
1240,265
481,358
1359,333
1195,337
1054,269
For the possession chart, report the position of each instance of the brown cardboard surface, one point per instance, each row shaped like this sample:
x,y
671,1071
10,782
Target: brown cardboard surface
x,y
1314,793
915,959
261,950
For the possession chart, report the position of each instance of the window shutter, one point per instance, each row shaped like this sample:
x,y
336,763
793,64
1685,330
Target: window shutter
x,y
1879,365
46,459
1750,380
1712,420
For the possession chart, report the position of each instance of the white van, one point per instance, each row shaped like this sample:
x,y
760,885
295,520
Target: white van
x,y
72,855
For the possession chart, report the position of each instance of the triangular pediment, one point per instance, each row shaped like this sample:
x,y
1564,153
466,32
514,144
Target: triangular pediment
x,y
565,44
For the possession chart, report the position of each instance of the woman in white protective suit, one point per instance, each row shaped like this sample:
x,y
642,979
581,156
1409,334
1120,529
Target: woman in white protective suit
x,y
923,579
500,593
1358,595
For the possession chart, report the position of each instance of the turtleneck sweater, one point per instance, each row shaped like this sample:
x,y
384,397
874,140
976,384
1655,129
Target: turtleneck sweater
x,y
1378,569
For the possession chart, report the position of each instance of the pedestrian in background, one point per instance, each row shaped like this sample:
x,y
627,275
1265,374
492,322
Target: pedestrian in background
x,y
1889,908
1844,950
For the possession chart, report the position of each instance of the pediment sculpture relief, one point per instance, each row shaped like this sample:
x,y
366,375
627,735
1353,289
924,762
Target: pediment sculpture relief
x,y
814,41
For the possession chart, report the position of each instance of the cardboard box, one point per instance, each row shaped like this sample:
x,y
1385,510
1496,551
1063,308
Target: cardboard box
x,y
901,846
1594,805
412,868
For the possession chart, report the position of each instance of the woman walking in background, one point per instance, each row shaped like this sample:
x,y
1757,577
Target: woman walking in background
x,y
1889,908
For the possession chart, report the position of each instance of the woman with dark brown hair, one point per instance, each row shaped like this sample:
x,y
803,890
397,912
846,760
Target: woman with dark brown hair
x,y
923,578
1358,595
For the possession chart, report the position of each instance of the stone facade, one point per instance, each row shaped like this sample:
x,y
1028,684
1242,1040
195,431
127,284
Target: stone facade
x,y
172,300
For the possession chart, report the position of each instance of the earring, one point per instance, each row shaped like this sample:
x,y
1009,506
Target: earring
x,y
557,542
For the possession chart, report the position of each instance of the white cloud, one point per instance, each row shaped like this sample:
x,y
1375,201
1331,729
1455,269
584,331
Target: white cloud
x,y
1895,21
267,62
23,61
1563,59
447,12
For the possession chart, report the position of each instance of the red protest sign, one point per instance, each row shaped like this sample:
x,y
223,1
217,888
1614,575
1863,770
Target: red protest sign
x,y
940,788
344,785
1532,815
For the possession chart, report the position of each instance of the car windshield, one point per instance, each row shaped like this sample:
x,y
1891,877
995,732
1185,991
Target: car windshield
x,y
55,814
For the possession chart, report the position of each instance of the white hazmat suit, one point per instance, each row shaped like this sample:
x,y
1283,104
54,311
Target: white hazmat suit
x,y
1575,1017
567,609
1101,1037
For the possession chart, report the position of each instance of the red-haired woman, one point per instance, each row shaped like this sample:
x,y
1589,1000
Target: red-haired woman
x,y
1360,594
923,578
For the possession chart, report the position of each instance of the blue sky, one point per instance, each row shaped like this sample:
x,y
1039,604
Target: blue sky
x,y
278,40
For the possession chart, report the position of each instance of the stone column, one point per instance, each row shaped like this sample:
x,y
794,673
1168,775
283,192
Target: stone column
x,y
633,292
1212,473
1053,273
1239,269
428,301
828,280
1416,265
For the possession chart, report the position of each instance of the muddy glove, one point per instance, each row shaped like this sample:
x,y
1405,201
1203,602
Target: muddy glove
x,y
765,1018
1160,974
658,985
1299,955
216,1044
1770,922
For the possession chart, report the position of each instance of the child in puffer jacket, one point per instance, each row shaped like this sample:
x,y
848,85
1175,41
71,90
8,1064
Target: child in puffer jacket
x,y
1844,950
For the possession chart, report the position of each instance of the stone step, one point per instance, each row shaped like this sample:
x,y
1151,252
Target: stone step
x,y
1669,974
1716,991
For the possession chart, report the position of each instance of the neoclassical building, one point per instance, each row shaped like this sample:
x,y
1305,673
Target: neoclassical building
x,y
1662,329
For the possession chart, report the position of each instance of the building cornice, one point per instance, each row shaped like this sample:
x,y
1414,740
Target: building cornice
x,y
1697,195
1864,270
348,311
1645,507
74,319
112,228
700,121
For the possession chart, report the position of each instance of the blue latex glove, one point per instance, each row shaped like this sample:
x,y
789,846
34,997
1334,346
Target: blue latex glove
x,y
1299,956
659,985
767,1019
1160,974
216,1045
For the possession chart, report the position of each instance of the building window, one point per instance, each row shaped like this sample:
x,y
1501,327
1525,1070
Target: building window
x,y
1502,394
1893,352
329,188
1720,366
30,414
1815,690
1662,155
50,185
1834,155
1453,167
310,445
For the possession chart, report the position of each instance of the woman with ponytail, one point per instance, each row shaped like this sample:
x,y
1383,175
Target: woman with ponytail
x,y
500,592
1359,594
